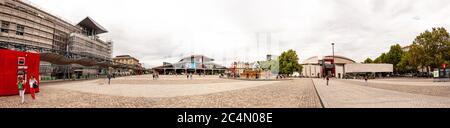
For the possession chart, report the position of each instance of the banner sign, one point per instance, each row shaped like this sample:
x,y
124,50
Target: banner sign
x,y
436,74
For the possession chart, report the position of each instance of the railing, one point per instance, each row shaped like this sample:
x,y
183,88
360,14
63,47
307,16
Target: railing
x,y
84,37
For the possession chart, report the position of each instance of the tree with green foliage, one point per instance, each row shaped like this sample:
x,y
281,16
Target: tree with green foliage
x,y
394,56
433,48
381,59
377,60
288,62
406,65
368,61
415,56
429,50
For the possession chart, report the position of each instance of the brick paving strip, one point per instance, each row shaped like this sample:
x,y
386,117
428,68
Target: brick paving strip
x,y
317,93
342,94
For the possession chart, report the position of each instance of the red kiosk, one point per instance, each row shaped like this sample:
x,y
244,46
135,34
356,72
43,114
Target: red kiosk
x,y
14,64
328,68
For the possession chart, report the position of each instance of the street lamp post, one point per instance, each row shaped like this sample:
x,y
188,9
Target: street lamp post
x,y
334,63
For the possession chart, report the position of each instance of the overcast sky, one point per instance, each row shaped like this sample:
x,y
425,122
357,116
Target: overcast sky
x,y
157,31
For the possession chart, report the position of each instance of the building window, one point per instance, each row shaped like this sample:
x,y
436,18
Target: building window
x,y
5,27
20,30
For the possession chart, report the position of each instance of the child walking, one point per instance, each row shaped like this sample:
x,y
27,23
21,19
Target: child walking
x,y
20,83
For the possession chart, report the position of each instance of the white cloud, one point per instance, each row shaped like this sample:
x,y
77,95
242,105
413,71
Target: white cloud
x,y
164,30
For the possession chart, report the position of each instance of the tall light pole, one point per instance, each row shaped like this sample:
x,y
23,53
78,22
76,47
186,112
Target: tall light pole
x,y
334,63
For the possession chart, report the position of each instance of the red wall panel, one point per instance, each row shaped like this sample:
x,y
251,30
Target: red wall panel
x,y
9,68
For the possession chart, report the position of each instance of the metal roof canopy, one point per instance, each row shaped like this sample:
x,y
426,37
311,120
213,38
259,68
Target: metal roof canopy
x,y
205,59
91,24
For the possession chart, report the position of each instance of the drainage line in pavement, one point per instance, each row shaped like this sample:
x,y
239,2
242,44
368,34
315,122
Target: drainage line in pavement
x,y
317,93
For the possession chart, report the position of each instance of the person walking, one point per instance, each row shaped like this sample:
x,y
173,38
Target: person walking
x,y
20,83
366,78
328,79
33,85
109,79
155,76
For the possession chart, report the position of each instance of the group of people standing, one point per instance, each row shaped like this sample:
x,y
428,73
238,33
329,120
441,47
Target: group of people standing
x,y
281,76
155,76
189,76
33,84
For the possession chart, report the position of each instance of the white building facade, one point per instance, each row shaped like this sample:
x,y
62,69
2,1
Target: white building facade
x,y
340,67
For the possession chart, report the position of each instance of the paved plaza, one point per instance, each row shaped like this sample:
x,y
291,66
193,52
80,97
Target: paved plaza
x,y
358,94
166,87
214,92
173,92
415,86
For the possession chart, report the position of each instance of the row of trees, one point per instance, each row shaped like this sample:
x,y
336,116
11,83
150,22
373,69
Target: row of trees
x,y
429,50
394,56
